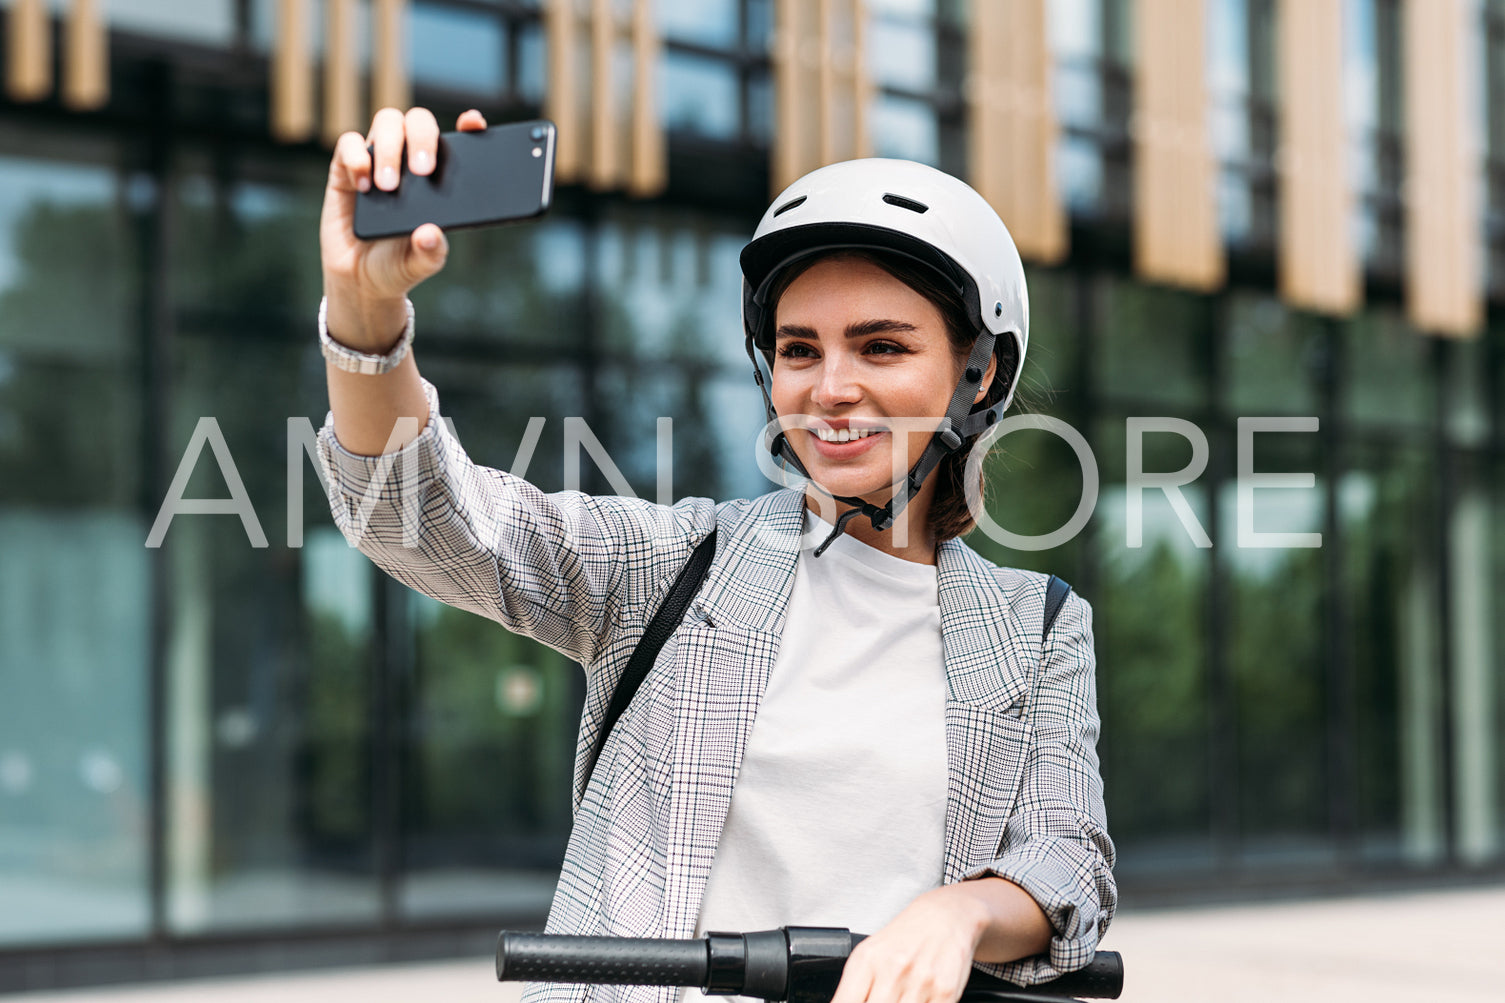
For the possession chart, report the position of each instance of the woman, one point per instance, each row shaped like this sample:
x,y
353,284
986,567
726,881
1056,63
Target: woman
x,y
855,724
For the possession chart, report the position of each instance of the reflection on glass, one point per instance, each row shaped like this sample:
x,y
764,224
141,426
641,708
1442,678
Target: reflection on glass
x,y
1274,357
269,818
1154,344
488,768
530,62
705,22
457,48
1275,661
1385,371
74,580
699,95
902,53
1385,513
1478,698
206,21
906,129
1149,627
1076,28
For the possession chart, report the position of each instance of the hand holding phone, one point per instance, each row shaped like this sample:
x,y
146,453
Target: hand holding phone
x,y
366,280
480,178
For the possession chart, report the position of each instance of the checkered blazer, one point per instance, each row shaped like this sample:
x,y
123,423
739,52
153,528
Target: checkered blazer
x,y
583,574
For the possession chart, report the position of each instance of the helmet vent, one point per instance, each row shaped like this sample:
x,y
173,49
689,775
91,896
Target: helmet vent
x,y
904,203
791,204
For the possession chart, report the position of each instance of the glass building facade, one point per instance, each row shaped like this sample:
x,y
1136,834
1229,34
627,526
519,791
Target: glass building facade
x,y
248,744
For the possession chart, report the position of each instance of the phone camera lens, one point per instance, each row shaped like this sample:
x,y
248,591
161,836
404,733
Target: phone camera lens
x,y
537,134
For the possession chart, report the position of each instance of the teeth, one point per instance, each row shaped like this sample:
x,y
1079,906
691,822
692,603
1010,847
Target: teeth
x,y
844,434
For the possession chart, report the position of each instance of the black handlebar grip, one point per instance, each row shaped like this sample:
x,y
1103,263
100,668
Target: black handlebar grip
x,y
616,961
1102,978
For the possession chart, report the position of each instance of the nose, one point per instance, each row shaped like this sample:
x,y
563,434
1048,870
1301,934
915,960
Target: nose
x,y
838,384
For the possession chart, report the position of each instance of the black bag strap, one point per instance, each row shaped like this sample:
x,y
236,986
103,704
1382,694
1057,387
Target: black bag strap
x,y
1056,591
670,612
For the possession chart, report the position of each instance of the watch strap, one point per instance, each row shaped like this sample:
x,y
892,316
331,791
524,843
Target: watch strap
x,y
351,361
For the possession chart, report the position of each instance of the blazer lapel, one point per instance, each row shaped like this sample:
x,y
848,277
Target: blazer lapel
x,y
990,658
724,658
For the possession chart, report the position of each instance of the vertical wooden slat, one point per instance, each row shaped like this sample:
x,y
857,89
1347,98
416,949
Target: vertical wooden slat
x,y
562,100
1012,125
1176,238
1318,263
28,63
863,88
389,61
1444,294
825,94
604,166
292,74
822,90
787,155
648,174
342,112
86,57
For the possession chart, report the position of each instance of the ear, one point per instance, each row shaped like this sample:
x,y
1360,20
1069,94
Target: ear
x,y
987,379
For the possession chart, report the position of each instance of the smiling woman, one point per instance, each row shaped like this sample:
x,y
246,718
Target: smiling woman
x,y
872,739
905,326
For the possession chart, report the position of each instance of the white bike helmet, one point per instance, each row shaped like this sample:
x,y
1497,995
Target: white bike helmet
x,y
906,208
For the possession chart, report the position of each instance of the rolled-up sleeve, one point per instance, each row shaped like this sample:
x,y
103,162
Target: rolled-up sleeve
x,y
1055,844
565,568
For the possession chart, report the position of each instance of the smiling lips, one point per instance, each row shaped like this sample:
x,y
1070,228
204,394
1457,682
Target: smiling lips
x,y
842,441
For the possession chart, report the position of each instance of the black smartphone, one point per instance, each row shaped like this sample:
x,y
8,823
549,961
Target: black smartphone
x,y
499,174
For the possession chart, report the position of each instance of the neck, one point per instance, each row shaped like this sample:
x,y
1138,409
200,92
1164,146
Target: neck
x,y
909,538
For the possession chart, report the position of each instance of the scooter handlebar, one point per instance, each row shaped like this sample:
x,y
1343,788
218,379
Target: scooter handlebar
x,y
798,964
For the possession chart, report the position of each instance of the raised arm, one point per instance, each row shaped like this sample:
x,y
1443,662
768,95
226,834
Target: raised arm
x,y
366,281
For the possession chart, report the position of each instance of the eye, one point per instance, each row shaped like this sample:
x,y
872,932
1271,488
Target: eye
x,y
796,350
885,348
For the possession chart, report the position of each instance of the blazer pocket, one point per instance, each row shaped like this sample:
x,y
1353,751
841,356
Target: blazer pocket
x,y
986,750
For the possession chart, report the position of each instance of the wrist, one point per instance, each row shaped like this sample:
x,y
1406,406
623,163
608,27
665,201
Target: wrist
x,y
364,323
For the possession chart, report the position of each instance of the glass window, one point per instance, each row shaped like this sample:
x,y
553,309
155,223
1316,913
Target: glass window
x,y
1385,376
1150,631
1386,513
75,582
1154,344
700,94
901,53
458,48
207,21
1372,68
1275,654
905,128
1275,358
704,22
270,818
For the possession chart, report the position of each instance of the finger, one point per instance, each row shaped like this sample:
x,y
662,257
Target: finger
x,y
386,139
427,251
423,139
353,161
856,982
470,121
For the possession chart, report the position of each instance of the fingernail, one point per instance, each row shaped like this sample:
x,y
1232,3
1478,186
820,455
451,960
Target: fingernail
x,y
427,240
420,162
387,177
363,183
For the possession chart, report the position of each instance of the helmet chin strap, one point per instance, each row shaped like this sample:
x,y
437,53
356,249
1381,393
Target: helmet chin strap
x,y
946,439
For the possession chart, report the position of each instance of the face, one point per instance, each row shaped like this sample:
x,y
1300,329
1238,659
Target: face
x,y
857,350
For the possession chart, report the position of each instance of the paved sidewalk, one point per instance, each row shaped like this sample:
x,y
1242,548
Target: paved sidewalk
x,y
1433,947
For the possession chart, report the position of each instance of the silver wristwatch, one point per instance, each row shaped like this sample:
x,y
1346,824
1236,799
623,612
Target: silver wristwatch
x,y
352,361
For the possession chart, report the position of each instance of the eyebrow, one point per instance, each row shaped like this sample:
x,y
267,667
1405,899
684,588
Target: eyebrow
x,y
857,329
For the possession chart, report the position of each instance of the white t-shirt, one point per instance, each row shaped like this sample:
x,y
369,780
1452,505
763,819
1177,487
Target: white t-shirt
x,y
838,813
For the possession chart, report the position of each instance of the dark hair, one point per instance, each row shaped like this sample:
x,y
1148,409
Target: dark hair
x,y
949,514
